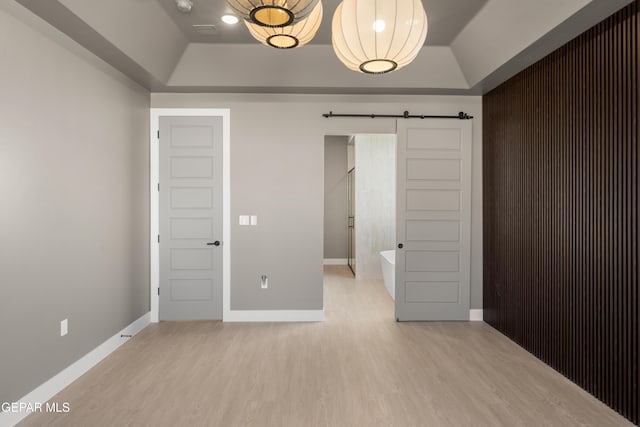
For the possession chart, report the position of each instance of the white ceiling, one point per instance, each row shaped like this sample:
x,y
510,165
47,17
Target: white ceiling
x,y
472,46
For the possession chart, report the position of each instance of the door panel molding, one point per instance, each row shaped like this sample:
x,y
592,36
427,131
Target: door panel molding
x,y
433,220
154,179
190,268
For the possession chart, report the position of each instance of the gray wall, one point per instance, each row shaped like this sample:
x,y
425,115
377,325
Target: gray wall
x,y
277,172
375,162
73,202
335,197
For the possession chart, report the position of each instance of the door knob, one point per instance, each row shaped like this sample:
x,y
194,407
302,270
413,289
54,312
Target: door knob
x,y
400,245
216,243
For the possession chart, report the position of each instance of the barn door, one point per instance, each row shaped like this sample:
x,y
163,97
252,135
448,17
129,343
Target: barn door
x,y
433,220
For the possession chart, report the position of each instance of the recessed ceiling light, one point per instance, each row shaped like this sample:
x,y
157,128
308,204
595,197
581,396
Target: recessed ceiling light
x,y
229,19
184,6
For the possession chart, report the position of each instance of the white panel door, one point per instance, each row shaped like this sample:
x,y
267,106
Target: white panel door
x,y
190,218
433,220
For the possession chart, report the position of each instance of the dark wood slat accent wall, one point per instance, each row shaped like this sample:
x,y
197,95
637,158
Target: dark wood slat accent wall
x,y
560,163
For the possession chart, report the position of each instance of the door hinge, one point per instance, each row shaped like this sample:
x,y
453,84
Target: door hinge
x,y
158,186
158,134
158,291
158,238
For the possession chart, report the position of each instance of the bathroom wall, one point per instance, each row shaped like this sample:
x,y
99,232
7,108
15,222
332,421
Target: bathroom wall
x,y
375,160
335,197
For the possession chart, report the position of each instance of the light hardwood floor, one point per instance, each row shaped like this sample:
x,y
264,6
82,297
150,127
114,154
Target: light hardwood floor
x,y
358,368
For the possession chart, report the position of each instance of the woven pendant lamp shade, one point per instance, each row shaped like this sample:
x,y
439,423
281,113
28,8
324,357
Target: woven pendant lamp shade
x,y
378,36
273,13
295,35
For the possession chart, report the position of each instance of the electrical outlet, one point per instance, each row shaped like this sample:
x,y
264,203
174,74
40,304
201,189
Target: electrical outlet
x,y
64,327
264,282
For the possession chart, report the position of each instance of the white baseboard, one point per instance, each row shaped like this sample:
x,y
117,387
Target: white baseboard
x,y
274,316
335,261
56,384
475,315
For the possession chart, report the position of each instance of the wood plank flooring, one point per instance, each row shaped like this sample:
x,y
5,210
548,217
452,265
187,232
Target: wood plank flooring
x,y
358,368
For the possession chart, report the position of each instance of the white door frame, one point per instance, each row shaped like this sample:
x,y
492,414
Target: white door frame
x,y
154,200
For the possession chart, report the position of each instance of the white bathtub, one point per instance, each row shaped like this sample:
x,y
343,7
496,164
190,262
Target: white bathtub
x,y
388,261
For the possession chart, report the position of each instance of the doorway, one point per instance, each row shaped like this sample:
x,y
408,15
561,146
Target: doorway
x,y
359,201
155,234
429,262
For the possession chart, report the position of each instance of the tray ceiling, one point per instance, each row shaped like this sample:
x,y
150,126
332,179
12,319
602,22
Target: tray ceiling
x,y
472,46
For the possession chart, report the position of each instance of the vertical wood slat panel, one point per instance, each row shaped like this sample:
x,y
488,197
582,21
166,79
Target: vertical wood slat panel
x,y
561,183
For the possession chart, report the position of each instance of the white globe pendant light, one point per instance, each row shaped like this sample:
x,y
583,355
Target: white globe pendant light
x,y
291,36
378,36
273,13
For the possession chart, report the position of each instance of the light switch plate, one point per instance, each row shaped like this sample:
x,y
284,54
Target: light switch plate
x,y
64,327
254,219
243,220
